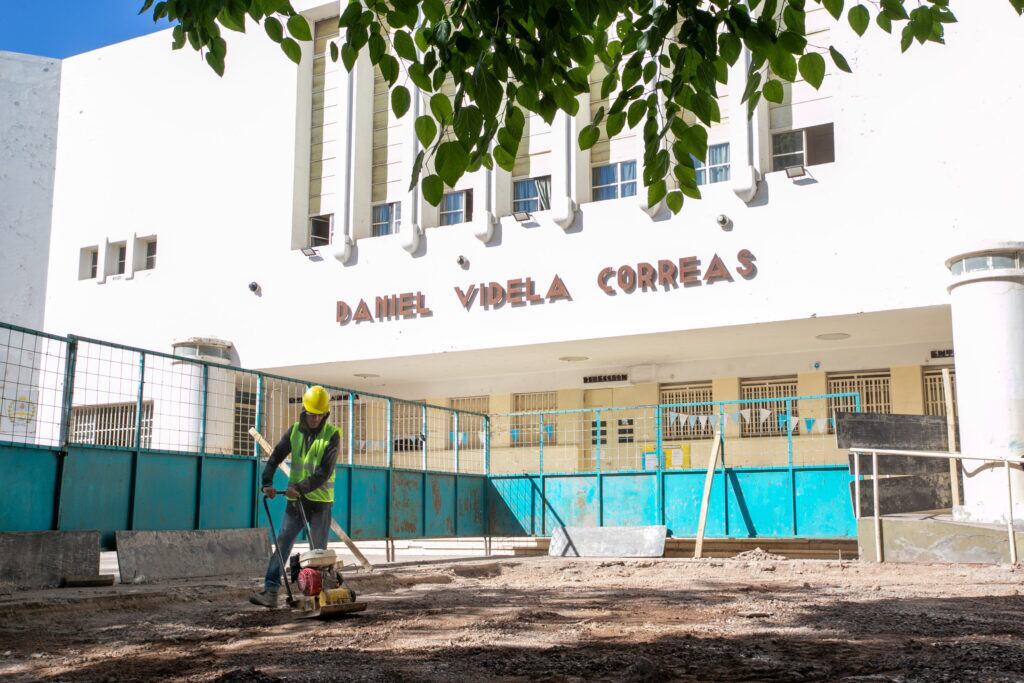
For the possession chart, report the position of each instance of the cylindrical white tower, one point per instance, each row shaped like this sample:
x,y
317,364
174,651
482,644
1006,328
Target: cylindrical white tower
x,y
987,294
179,404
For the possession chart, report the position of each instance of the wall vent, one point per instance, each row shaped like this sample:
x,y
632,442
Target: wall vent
x,y
603,379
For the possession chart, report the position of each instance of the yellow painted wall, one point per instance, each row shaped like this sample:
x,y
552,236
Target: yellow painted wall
x,y
907,390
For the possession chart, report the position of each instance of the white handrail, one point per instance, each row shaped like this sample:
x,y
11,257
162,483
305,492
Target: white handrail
x,y
944,455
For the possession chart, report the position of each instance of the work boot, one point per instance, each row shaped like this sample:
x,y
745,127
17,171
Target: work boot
x,y
264,599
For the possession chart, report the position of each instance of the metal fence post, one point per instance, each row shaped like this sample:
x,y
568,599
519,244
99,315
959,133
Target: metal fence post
x,y
659,454
389,453
137,454
725,473
202,448
67,402
1009,513
256,474
351,421
543,498
789,462
600,476
487,484
487,445
423,435
455,518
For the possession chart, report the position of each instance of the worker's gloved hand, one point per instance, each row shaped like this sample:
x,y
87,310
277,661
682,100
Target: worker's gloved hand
x,y
293,492
269,492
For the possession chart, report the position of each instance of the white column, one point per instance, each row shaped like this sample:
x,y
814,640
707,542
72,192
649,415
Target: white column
x,y
743,152
570,167
987,294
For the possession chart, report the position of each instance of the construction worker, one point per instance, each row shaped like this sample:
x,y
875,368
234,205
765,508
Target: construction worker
x,y
313,444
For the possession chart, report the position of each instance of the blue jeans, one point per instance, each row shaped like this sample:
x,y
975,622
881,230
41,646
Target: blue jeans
x,y
319,516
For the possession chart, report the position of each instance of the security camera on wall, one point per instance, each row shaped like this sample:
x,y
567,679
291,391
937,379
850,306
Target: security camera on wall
x,y
723,221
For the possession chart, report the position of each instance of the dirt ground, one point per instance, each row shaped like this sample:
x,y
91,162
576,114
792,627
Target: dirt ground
x,y
541,619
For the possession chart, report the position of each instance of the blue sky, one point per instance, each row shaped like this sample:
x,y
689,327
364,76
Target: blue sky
x,y
62,28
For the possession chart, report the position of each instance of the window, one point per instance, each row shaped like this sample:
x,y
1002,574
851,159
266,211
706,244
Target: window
x,y
457,207
88,263
387,219
935,393
111,424
767,417
807,147
598,432
526,428
873,388
675,419
532,194
471,427
117,258
406,426
245,418
614,180
625,430
974,264
320,230
717,168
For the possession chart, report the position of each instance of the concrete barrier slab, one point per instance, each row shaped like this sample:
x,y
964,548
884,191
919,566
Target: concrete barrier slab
x,y
159,555
608,541
40,559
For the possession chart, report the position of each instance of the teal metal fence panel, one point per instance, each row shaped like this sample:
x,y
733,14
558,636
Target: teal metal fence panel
x,y
407,496
228,492
683,491
439,505
826,506
30,477
470,519
759,503
569,501
513,507
97,491
630,500
165,491
369,517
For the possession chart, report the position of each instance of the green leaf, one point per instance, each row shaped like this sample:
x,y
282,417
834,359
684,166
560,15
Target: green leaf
x,y
292,49
216,62
588,137
274,29
334,51
451,162
515,121
404,46
178,38
426,129
388,66
417,166
695,140
441,107
907,38
812,68
377,47
834,7
348,56
783,64
230,21
656,192
468,123
884,22
489,94
859,17
504,159
420,77
840,60
729,47
636,112
400,100
773,91
613,126
351,14
674,199
433,189
794,19
299,27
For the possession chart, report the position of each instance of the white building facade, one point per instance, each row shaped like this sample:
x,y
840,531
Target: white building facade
x,y
176,190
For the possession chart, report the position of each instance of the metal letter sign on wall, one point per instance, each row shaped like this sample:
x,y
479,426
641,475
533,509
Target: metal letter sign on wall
x,y
666,274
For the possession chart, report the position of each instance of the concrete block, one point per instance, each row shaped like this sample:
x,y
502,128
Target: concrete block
x,y
40,559
159,555
608,541
937,538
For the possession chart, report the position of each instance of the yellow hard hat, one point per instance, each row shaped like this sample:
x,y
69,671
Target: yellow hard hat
x,y
316,400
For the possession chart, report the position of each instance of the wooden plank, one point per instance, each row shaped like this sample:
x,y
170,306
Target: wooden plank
x,y
954,476
706,497
335,527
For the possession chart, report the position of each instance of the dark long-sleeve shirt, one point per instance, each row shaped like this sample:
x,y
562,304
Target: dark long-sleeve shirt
x,y
323,470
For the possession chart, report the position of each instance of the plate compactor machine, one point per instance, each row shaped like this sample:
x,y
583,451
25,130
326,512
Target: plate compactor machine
x,y
317,575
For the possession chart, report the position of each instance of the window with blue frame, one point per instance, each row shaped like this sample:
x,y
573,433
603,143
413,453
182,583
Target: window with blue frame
x,y
531,194
457,207
716,170
387,219
613,181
